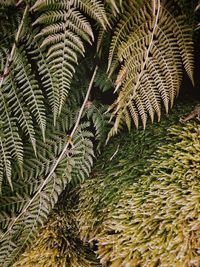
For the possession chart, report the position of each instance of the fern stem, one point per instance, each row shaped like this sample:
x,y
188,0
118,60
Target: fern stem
x,y
147,54
19,3
12,53
85,100
59,158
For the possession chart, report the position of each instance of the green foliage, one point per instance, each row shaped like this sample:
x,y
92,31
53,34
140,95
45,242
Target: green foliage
x,y
25,209
36,190
45,41
64,28
47,135
151,40
142,207
40,47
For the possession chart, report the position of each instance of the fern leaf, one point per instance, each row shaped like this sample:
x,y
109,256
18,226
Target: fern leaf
x,y
65,163
64,29
100,121
95,9
183,33
6,162
125,26
11,137
64,41
34,211
28,85
152,53
20,111
49,81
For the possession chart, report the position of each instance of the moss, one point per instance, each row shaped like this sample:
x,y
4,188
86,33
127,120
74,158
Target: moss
x,y
143,208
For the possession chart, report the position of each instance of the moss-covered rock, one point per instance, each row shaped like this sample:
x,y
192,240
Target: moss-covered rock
x,y
143,208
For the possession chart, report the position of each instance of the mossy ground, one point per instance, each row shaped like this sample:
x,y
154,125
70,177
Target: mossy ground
x,y
140,207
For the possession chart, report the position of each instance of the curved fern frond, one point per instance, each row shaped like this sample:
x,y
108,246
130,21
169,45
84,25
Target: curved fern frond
x,y
183,34
11,141
21,99
94,9
127,20
152,49
64,28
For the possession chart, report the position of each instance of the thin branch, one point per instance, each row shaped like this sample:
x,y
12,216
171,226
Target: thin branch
x,y
59,158
85,101
12,53
19,2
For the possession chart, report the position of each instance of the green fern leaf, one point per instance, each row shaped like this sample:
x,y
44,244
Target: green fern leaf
x,y
152,50
29,86
6,162
11,137
20,111
31,208
64,28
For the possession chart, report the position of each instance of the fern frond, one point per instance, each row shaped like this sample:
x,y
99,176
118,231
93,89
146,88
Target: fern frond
x,y
63,29
94,9
20,110
152,50
183,34
96,113
33,212
5,163
11,206
58,164
122,30
11,139
48,80
102,81
29,86
116,6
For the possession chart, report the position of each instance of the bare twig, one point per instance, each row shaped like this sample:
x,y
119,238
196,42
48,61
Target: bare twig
x,y
19,2
115,153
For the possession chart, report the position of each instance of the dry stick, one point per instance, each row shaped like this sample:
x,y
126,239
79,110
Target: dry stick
x,y
12,53
19,3
60,156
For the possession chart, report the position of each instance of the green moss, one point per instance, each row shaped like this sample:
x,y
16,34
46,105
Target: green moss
x,y
143,207
140,207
